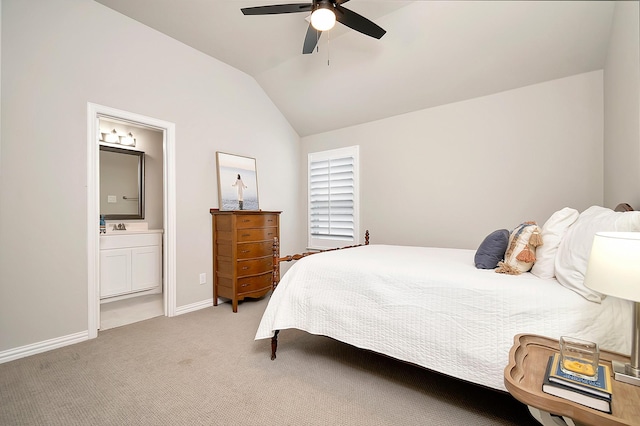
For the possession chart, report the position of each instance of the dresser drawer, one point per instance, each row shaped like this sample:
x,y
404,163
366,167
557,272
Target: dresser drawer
x,y
259,234
252,250
245,250
251,284
256,221
254,266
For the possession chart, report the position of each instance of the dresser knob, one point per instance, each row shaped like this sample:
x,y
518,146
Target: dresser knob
x,y
244,285
246,235
244,268
245,251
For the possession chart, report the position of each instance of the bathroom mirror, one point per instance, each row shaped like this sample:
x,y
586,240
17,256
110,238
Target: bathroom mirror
x,y
121,183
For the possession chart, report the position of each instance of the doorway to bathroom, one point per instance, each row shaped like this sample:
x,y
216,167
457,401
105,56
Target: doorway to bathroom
x,y
131,211
131,218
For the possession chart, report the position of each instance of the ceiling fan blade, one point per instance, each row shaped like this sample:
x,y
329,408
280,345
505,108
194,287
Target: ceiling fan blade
x,y
358,22
311,39
277,8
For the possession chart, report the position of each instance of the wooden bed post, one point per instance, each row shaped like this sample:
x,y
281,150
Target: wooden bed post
x,y
275,281
276,263
274,344
276,273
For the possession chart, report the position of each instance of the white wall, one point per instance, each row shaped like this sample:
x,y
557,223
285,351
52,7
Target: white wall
x,y
0,89
622,108
448,176
58,56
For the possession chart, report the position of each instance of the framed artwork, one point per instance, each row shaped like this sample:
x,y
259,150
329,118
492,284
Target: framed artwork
x,y
237,182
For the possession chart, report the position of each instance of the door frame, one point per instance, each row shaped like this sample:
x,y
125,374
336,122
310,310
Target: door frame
x,y
94,113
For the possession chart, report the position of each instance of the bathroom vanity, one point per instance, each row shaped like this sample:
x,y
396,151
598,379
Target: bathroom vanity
x,y
130,263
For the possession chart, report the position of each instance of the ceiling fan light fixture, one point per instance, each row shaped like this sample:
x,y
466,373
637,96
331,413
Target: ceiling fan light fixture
x,y
323,18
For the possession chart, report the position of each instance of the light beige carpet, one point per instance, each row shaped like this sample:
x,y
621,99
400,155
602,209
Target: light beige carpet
x,y
204,368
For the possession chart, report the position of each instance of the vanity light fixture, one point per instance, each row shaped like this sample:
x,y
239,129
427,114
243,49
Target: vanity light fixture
x,y
128,140
111,137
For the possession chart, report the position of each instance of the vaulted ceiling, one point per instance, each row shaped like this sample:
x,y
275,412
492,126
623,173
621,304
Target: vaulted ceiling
x,y
434,52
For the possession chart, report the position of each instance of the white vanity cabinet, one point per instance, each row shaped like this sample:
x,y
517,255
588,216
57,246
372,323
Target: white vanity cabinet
x,y
130,262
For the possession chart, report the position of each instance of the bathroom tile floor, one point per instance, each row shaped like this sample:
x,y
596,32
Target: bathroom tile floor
x,y
128,311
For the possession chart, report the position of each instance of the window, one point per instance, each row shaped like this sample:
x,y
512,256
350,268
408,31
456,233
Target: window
x,y
333,198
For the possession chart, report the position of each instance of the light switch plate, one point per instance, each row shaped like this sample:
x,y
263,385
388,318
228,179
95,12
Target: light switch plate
x,y
111,198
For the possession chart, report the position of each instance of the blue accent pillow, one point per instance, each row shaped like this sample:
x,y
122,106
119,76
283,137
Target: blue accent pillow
x,y
492,249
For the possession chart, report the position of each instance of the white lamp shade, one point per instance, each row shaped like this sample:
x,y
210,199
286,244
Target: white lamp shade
x,y
323,19
614,265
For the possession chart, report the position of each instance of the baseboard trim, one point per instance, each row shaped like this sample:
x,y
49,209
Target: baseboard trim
x,y
58,342
44,346
194,306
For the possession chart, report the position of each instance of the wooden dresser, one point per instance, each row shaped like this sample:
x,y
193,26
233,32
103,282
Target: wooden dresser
x,y
243,253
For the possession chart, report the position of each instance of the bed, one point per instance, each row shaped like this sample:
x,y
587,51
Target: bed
x,y
434,308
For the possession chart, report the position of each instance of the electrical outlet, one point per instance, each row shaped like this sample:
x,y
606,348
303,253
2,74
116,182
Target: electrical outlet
x,y
203,278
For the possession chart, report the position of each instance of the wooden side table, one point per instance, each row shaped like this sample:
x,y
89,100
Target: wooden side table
x,y
523,378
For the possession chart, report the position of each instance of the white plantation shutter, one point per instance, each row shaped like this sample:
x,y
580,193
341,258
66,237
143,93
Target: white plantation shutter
x,y
333,198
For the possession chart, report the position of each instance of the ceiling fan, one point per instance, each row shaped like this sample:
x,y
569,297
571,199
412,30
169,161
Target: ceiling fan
x,y
324,14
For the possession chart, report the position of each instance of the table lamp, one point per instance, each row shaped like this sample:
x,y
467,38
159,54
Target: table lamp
x,y
614,269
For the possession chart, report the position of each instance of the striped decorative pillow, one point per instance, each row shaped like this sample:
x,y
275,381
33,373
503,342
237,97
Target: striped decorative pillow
x,y
521,251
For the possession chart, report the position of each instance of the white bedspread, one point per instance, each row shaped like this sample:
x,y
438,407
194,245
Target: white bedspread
x,y
433,308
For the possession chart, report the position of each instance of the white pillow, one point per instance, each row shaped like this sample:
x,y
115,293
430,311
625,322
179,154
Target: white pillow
x,y
575,248
552,232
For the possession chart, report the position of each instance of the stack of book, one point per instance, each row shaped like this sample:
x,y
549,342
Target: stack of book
x,y
592,393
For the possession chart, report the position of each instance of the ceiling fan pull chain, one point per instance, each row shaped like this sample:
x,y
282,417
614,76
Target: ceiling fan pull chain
x,y
328,50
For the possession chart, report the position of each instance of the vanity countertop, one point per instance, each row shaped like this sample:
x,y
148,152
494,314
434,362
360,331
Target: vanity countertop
x,y
128,228
111,232
128,239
